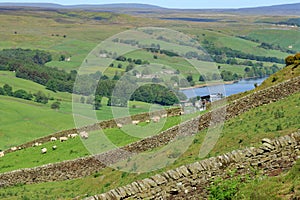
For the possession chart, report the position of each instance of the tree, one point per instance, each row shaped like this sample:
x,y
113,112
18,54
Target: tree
x,y
189,78
8,90
55,105
97,102
40,97
129,67
289,60
2,92
82,99
202,78
22,94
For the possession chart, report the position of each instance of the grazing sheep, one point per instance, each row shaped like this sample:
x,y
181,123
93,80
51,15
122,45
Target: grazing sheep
x,y
54,147
164,116
73,135
1,154
119,125
20,148
135,122
44,150
156,119
63,139
53,139
37,144
14,148
84,135
148,121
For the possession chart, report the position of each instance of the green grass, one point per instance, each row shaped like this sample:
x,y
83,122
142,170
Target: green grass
x,y
250,127
22,121
29,86
99,141
284,186
284,38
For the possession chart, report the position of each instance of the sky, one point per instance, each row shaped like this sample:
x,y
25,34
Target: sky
x,y
171,3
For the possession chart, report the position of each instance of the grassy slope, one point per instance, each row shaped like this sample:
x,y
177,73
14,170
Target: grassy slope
x,y
284,186
75,148
282,37
251,127
22,121
29,86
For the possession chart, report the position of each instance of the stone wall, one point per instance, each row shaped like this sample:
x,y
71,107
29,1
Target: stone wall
x,y
191,181
89,165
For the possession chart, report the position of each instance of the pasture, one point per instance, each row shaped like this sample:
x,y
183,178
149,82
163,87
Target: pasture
x,y
250,127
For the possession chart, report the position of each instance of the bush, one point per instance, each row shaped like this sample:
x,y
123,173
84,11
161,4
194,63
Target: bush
x,y
289,60
55,105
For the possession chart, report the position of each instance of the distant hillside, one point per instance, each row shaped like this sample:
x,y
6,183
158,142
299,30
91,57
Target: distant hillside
x,y
133,8
83,6
286,9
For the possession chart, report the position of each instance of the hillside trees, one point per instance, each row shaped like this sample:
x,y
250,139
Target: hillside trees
x,y
292,59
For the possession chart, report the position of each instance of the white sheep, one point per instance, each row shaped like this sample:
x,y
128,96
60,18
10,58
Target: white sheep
x,y
63,139
73,135
164,116
148,121
119,125
1,154
53,139
44,150
54,147
13,148
135,122
84,135
156,119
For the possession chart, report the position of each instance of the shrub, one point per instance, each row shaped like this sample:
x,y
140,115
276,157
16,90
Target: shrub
x,y
289,60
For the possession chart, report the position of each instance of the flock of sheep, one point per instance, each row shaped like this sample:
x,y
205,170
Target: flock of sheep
x,y
155,119
83,135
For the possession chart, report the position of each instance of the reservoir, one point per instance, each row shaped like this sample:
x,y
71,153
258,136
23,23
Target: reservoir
x,y
227,90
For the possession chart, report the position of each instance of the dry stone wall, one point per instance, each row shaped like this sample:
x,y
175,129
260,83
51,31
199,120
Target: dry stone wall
x,y
89,165
191,181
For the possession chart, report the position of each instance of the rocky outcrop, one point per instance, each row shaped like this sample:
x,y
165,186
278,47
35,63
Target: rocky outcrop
x,y
272,157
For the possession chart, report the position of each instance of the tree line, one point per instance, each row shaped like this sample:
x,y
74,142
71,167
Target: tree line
x,y
219,52
30,64
38,97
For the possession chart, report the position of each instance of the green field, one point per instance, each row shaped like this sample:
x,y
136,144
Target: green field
x,y
250,127
75,148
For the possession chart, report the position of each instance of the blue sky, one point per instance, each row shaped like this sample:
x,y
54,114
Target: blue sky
x,y
173,3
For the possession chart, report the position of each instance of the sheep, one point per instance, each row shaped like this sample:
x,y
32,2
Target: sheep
x,y
54,147
164,116
119,125
84,135
148,121
53,139
73,135
63,139
156,119
37,144
44,150
1,154
135,122
13,148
